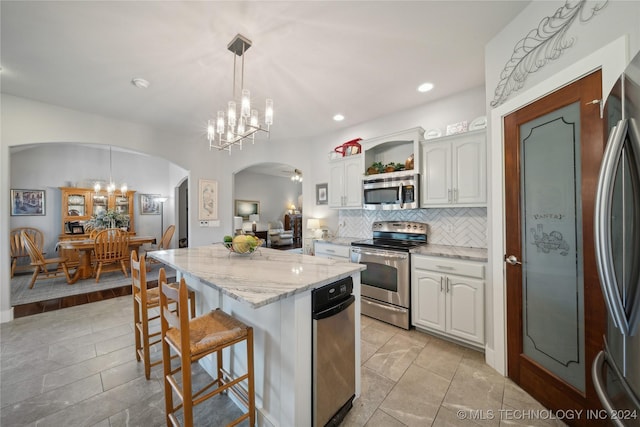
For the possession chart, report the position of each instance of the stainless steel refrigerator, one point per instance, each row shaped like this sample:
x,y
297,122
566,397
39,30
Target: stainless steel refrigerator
x,y
616,369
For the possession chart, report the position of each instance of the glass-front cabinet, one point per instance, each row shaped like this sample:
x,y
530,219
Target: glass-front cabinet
x,y
74,204
100,204
122,205
80,204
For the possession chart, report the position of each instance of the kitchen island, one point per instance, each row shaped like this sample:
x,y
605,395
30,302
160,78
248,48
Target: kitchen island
x,y
271,291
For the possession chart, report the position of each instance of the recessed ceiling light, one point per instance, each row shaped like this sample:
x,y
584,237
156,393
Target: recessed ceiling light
x,y
425,87
140,83
338,117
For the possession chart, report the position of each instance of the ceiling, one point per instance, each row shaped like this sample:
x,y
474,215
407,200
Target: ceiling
x,y
363,59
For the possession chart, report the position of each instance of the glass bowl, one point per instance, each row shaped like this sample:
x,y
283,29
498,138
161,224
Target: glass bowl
x,y
243,248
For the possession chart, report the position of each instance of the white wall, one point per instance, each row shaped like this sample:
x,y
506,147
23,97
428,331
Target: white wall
x,y
608,40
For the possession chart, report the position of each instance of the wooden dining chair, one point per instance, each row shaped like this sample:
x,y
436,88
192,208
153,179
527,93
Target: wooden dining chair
x,y
18,250
42,265
164,243
111,249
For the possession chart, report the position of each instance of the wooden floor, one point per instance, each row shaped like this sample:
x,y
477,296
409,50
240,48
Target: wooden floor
x,y
23,310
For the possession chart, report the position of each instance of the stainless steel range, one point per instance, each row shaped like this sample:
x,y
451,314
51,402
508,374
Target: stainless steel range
x,y
386,293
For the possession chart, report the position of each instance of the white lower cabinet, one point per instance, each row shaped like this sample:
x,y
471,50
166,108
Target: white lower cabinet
x,y
447,297
332,251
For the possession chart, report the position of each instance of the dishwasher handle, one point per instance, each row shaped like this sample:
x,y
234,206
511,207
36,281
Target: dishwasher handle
x,y
335,309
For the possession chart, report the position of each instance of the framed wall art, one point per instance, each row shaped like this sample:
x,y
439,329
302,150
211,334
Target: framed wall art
x,y
27,202
244,208
207,200
149,204
322,194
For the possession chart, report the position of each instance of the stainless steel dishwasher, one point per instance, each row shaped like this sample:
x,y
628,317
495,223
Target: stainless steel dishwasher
x,y
333,356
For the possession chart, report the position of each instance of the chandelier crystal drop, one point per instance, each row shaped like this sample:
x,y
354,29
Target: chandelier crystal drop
x,y
240,121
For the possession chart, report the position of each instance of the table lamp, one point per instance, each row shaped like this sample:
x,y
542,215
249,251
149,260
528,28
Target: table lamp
x,y
254,218
313,224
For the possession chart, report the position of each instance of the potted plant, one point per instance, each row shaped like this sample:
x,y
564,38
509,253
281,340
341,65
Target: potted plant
x,y
392,167
376,167
107,219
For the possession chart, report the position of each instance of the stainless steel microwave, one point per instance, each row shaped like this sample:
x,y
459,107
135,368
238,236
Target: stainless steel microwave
x,y
392,191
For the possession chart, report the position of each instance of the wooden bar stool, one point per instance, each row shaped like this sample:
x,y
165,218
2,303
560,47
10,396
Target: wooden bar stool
x,y
145,300
192,340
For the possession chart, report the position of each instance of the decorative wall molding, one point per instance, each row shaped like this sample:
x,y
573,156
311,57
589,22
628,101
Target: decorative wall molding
x,y
541,45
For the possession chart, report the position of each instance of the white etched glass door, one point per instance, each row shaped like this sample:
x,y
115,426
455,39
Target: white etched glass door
x,y
552,280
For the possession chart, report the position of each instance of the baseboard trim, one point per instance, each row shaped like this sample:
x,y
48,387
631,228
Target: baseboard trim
x,y
6,315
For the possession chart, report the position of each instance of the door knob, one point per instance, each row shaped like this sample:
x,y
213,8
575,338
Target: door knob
x,y
511,259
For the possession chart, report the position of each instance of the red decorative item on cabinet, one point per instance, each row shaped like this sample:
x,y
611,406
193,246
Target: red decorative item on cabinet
x,y
349,148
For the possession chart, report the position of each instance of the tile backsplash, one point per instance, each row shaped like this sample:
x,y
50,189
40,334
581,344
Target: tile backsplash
x,y
452,226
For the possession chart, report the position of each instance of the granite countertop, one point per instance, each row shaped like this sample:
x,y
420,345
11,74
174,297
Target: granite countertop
x,y
342,241
471,254
266,276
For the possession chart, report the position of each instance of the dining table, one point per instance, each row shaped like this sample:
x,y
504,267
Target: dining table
x,y
85,247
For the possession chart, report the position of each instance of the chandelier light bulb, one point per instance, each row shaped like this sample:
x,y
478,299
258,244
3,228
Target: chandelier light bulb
x,y
96,187
254,118
231,114
111,187
268,112
241,126
220,123
123,188
210,131
245,105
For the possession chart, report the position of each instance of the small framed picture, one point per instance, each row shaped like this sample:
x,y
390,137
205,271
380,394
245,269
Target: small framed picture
x,y
322,194
149,204
27,202
77,229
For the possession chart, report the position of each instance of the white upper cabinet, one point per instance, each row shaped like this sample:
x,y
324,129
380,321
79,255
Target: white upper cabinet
x,y
454,170
345,182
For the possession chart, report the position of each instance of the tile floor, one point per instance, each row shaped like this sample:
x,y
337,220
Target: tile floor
x,y
57,370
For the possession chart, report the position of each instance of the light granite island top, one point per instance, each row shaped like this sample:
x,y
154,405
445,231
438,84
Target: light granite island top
x,y
266,276
271,291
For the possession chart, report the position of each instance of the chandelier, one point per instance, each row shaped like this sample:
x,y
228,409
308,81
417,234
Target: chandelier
x,y
111,186
296,176
236,126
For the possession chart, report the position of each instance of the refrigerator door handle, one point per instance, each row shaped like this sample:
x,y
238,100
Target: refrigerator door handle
x,y
602,219
599,385
634,138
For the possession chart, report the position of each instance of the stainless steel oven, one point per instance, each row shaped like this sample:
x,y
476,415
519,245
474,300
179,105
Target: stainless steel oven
x,y
390,191
386,283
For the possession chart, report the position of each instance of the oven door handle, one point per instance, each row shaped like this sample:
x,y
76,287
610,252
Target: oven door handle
x,y
378,254
400,191
386,307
